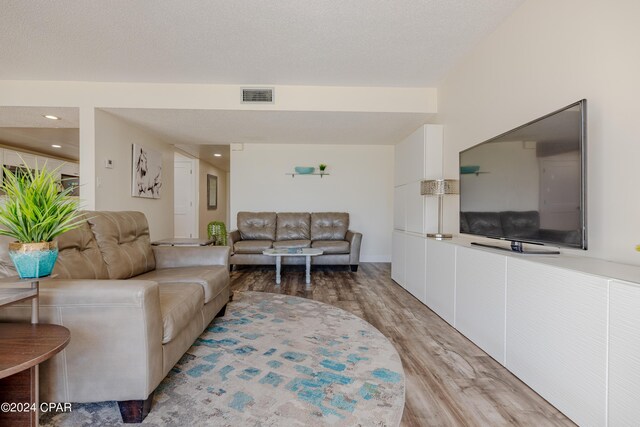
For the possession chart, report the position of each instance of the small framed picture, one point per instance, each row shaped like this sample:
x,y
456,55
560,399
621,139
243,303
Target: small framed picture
x,y
212,192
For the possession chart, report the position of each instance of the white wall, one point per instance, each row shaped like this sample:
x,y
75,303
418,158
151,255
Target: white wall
x,y
549,54
114,138
88,96
215,97
360,183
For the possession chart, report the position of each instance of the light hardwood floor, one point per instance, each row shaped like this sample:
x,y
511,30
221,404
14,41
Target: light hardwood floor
x,y
449,381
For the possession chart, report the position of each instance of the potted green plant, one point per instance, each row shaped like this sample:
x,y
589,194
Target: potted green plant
x,y
36,209
322,167
217,231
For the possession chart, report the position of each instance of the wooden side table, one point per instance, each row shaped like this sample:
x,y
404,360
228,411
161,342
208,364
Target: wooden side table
x,y
183,242
22,347
19,292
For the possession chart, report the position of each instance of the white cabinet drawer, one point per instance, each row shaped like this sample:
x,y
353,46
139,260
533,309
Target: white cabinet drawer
x,y
624,353
480,299
400,208
397,258
415,210
557,337
441,278
415,251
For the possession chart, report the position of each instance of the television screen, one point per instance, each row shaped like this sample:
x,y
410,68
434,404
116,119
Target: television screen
x,y
528,184
71,181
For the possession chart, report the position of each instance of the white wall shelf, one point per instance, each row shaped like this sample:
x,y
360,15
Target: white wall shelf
x,y
473,173
293,175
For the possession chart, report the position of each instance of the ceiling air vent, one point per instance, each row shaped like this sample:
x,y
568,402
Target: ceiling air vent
x,y
257,95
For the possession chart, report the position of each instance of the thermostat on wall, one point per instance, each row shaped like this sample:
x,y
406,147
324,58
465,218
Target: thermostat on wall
x,y
108,163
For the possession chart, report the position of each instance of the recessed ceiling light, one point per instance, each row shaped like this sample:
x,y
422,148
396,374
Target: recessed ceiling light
x,y
217,155
51,117
56,146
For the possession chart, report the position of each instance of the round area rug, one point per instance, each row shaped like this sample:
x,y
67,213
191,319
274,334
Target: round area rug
x,y
274,360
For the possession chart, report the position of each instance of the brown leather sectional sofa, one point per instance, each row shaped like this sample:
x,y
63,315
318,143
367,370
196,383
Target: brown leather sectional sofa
x,y
328,231
133,309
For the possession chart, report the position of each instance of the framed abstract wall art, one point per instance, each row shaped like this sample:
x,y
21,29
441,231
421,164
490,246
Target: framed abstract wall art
x,y
146,172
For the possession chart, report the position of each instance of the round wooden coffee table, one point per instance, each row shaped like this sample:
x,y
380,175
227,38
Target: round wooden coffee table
x,y
22,347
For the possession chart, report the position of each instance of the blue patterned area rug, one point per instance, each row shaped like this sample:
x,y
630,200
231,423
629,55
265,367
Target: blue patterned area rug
x,y
274,360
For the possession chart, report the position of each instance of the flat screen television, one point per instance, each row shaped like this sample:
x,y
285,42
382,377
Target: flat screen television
x,y
71,181
528,185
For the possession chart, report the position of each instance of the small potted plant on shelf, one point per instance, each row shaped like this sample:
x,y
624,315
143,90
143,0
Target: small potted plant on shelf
x,y
322,167
36,210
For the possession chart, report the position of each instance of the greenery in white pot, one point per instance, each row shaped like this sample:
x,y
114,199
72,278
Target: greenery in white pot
x,y
36,209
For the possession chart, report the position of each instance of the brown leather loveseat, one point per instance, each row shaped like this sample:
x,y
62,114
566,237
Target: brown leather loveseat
x,y
328,231
133,309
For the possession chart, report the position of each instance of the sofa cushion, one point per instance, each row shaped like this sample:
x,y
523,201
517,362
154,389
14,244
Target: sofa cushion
x,y
486,223
79,256
257,225
293,226
179,304
251,246
7,268
520,224
331,246
464,225
213,279
292,244
123,239
329,225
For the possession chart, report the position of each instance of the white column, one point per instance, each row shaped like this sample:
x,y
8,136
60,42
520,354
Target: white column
x,y
87,157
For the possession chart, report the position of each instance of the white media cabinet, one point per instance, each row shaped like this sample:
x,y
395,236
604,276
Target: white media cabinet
x,y
568,326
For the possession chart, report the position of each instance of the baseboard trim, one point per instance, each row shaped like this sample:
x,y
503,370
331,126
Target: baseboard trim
x,y
375,258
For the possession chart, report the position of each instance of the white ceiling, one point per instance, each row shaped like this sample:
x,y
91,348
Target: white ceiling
x,y
206,153
403,43
39,140
33,117
206,130
276,127
25,128
409,43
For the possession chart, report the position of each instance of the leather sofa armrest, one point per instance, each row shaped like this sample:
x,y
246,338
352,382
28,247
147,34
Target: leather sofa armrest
x,y
234,237
70,292
355,241
115,352
191,256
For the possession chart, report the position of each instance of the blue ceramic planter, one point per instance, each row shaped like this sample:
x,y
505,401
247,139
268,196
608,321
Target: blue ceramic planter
x,y
33,260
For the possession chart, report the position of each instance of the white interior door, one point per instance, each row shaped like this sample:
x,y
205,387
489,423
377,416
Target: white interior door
x,y
184,224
